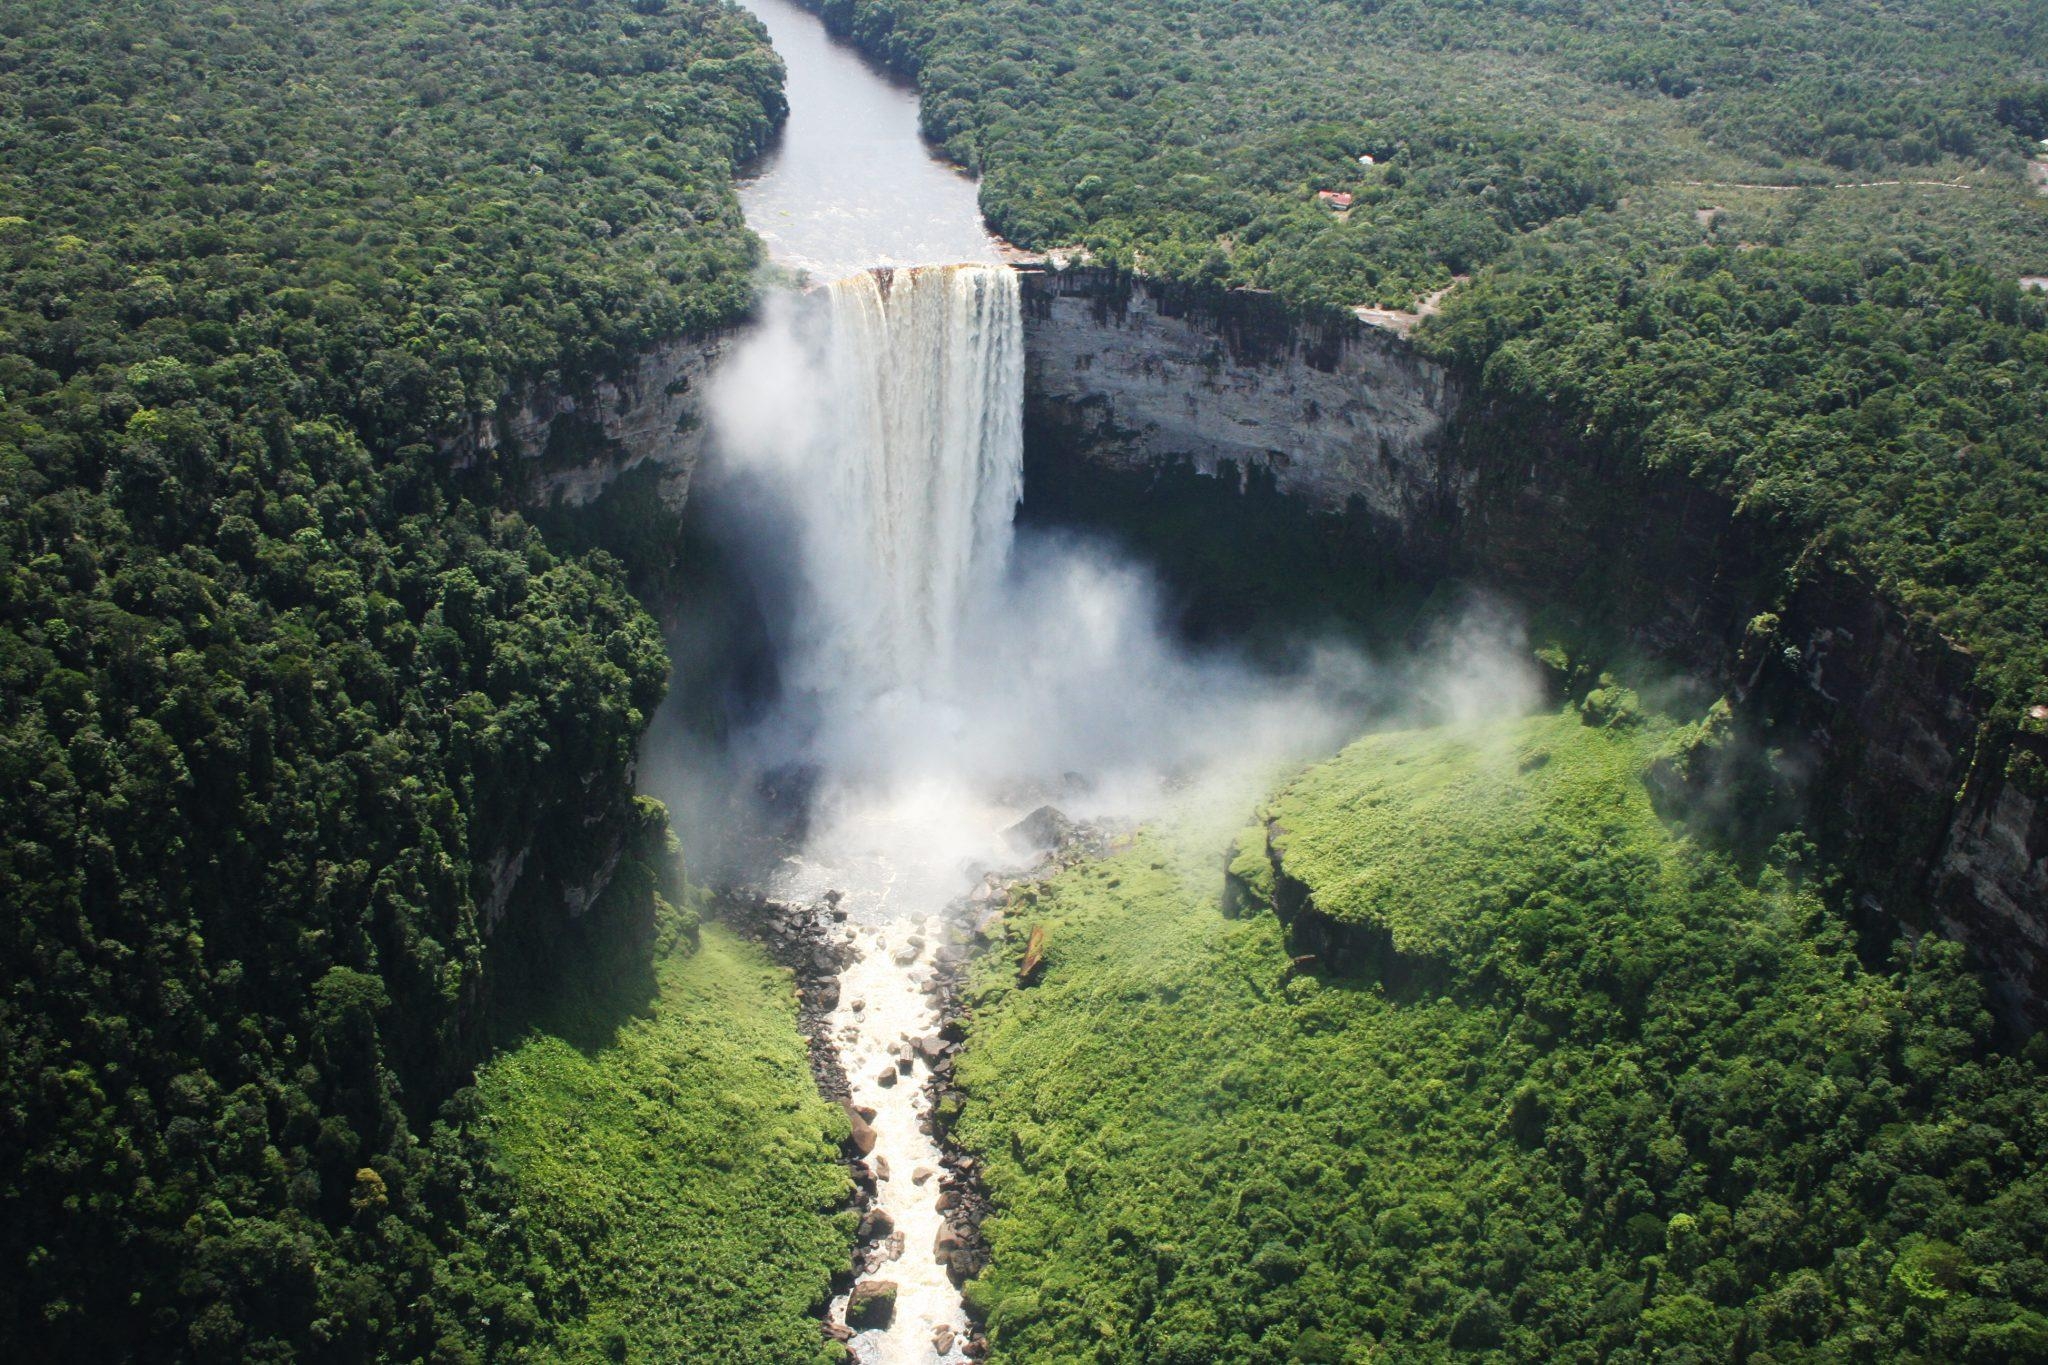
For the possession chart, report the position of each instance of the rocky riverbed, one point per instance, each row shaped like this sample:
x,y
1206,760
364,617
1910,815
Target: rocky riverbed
x,y
880,997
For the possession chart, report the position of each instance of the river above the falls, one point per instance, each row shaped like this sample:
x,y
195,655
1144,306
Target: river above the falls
x,y
850,183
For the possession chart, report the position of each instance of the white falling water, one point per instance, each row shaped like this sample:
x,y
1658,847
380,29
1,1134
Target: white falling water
x,y
915,470
912,480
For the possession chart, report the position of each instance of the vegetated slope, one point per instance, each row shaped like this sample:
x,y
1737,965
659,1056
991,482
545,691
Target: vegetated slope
x,y
674,1178
1543,148
1606,1098
291,730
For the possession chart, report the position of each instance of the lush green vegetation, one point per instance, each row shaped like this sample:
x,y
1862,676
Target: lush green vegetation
x,y
1606,1098
301,746
674,1181
1870,390
304,743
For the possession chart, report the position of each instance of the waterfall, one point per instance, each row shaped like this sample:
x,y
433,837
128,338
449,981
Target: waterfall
x,y
884,415
914,469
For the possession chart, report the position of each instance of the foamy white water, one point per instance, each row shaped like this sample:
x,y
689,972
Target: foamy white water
x,y
878,1040
907,496
897,858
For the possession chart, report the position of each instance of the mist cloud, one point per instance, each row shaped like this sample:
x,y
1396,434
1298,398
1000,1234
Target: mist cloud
x,y
1054,676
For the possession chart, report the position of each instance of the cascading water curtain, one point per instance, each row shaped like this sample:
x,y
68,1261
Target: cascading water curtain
x,y
914,481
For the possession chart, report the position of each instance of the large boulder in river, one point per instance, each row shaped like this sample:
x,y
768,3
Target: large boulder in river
x,y
862,1133
872,1304
1044,829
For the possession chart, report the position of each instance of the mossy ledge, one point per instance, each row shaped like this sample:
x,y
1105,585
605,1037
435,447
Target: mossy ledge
x,y
1607,1092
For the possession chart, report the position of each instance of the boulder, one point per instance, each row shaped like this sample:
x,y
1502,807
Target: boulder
x,y
922,1174
1044,829
964,1265
872,1304
876,1224
861,1134
942,1339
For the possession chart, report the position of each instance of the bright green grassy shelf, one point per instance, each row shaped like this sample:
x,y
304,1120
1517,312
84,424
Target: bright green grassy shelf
x,y
682,1178
1657,1107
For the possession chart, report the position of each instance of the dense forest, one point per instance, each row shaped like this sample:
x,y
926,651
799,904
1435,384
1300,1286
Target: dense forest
x,y
352,1006
286,718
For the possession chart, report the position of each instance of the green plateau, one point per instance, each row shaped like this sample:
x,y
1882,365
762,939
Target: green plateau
x,y
675,1182
1602,1093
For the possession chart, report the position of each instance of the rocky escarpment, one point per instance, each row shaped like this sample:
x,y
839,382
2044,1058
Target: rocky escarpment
x,y
1342,416
558,447
576,441
1133,386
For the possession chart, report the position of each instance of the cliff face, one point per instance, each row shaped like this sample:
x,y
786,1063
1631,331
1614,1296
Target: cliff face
x,y
1137,373
582,440
563,449
1991,881
1905,780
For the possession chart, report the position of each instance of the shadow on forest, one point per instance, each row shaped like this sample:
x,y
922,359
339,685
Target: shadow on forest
x,y
584,978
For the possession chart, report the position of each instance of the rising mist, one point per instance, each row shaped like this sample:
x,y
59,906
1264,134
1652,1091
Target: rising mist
x,y
942,673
